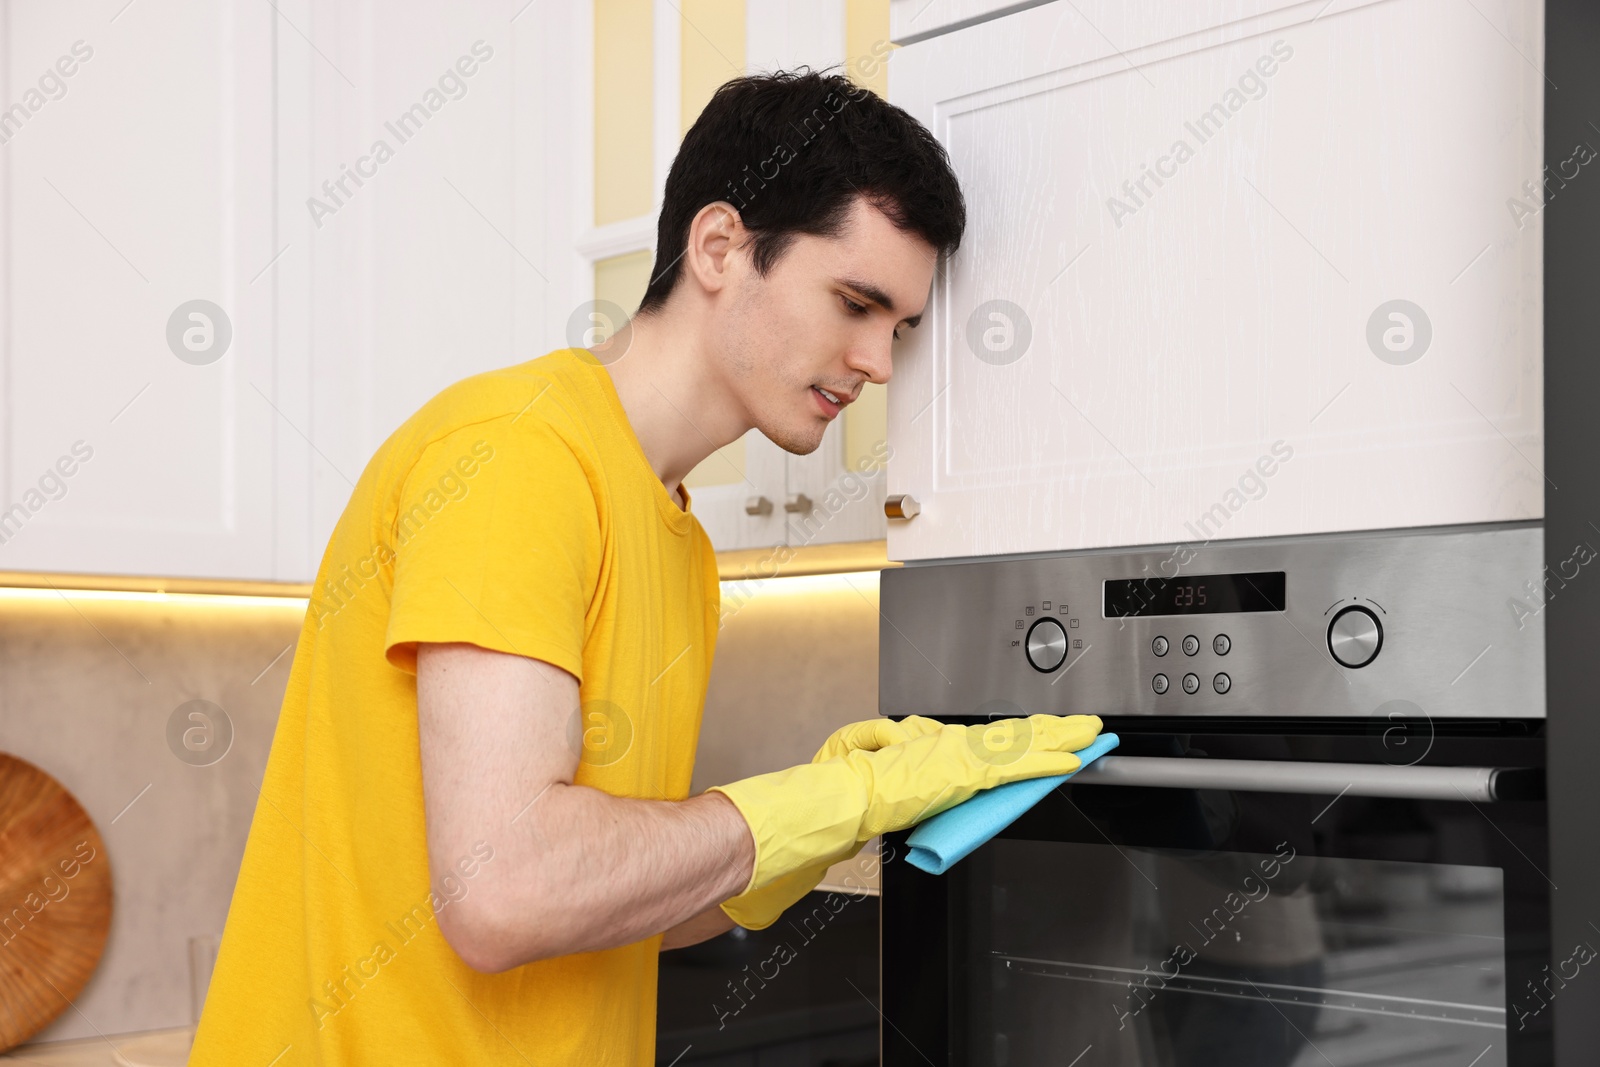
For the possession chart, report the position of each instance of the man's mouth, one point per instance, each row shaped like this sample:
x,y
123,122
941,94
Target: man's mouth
x,y
830,402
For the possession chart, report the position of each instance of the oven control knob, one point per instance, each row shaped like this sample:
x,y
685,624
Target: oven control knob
x,y
1047,645
1355,636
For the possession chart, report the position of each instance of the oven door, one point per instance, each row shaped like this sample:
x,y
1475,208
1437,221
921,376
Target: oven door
x,y
1184,927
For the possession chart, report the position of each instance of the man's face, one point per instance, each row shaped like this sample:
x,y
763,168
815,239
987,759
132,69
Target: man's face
x,y
824,318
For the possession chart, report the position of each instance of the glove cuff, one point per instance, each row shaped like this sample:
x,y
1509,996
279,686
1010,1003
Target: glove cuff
x,y
755,866
799,817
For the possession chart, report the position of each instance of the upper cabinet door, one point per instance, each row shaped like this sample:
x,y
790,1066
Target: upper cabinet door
x,y
227,282
1231,270
428,221
137,320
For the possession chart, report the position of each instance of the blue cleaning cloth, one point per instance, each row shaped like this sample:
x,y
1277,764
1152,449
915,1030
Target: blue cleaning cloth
x,y
945,840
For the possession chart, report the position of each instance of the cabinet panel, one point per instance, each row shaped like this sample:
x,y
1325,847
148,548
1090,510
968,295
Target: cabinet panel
x,y
128,197
354,281
411,273
1173,315
455,252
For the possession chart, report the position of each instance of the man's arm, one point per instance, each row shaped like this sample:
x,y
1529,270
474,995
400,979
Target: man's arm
x,y
698,928
574,869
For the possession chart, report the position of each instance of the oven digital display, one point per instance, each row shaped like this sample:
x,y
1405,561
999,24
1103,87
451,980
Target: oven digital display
x,y
1195,594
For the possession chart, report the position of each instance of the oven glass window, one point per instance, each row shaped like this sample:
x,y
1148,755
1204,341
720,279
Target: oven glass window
x,y
1172,958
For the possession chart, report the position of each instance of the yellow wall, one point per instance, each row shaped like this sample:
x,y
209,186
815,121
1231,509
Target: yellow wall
x,y
623,68
866,422
866,42
711,50
725,466
623,279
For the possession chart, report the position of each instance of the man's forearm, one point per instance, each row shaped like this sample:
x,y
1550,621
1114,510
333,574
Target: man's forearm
x,y
586,871
697,928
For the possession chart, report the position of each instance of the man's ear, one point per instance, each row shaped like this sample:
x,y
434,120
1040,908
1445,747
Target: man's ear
x,y
716,236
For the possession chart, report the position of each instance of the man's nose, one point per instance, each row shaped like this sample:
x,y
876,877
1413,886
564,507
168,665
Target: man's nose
x,y
874,359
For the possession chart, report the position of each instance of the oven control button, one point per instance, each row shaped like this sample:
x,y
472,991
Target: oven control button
x,y
1191,645
1159,683
1047,645
1159,646
1220,644
1354,637
1191,684
1222,683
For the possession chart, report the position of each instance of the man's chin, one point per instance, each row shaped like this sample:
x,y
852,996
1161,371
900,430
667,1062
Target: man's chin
x,y
792,442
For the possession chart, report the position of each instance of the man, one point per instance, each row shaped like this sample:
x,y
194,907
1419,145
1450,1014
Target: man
x,y
475,835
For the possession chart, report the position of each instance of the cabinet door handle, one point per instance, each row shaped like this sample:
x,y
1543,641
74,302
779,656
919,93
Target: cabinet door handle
x,y
757,505
798,503
902,506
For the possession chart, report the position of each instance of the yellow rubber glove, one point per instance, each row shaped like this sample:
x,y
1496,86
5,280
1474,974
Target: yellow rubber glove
x,y
757,909
804,819
874,734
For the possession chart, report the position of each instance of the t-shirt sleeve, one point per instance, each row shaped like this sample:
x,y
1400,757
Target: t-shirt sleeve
x,y
497,543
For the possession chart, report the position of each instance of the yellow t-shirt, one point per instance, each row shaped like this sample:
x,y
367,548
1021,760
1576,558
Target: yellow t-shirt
x,y
516,511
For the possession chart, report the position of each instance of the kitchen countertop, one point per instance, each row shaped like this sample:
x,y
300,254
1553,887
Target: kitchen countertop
x,y
156,1048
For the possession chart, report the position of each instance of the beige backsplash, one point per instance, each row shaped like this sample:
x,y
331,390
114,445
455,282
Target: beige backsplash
x,y
795,661
87,687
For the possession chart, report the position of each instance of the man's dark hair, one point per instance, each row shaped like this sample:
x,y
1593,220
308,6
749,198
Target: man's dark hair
x,y
792,151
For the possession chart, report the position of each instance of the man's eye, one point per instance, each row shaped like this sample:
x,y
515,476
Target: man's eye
x,y
897,333
853,307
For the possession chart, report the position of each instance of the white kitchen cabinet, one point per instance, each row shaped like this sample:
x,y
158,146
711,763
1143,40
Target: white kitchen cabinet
x,y
772,498
836,493
744,508
351,283
783,499
454,255
127,196
1222,352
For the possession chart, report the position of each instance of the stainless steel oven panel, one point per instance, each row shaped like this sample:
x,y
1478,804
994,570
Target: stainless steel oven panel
x,y
1459,608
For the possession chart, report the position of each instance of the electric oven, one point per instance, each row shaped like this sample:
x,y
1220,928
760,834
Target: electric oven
x,y
1322,839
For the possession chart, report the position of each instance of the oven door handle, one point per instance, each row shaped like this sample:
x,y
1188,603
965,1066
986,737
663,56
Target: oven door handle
x,y
1330,779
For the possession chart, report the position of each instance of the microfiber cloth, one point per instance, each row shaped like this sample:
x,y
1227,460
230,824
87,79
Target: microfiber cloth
x,y
944,840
